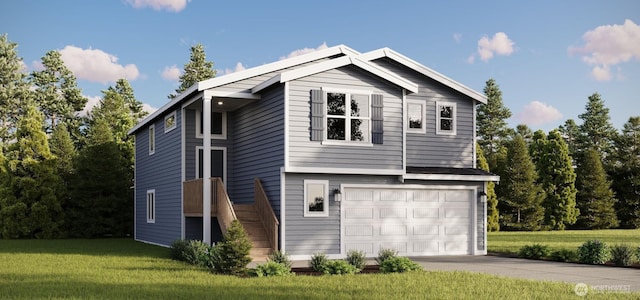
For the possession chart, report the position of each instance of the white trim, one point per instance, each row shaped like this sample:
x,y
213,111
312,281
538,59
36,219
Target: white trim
x,y
233,94
325,201
453,177
404,131
222,136
286,124
486,225
307,257
190,101
152,243
344,171
345,143
283,212
423,116
164,108
405,186
267,83
224,162
347,117
474,221
135,194
386,52
151,209
151,132
454,118
207,189
475,159
175,122
183,169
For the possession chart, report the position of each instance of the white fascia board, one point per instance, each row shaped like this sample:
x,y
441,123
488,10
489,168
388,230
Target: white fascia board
x,y
452,177
265,84
314,69
388,75
343,171
386,52
232,94
160,111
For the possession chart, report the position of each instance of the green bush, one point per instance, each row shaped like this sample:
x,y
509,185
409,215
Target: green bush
x,y
564,255
196,253
280,257
385,254
622,255
398,265
272,268
356,258
535,251
593,252
231,256
319,262
177,249
340,267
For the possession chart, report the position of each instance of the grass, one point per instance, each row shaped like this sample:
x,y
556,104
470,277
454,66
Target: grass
x,y
124,269
511,242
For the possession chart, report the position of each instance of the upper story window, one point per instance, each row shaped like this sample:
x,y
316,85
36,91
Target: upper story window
x,y
170,122
416,116
151,206
218,125
348,117
446,118
152,139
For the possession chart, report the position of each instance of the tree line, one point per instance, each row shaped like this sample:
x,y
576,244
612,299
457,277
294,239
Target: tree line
x,y
584,176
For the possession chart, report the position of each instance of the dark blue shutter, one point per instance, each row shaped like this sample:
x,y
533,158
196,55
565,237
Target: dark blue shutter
x,y
377,119
317,115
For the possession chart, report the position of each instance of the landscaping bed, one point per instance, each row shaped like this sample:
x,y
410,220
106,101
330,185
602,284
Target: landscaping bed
x,y
370,269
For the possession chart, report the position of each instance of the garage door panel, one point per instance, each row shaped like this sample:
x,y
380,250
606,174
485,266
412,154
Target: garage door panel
x,y
450,230
426,230
457,196
393,213
423,196
426,213
401,247
456,212
359,230
367,248
359,213
392,195
359,195
426,246
393,230
456,247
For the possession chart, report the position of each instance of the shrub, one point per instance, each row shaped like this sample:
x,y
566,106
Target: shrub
x,y
535,251
398,265
622,255
177,249
339,267
593,252
196,253
272,268
385,254
564,255
356,259
280,257
319,262
231,256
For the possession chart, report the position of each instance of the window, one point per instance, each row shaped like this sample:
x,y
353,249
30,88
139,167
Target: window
x,y
151,206
218,124
170,122
347,117
316,198
416,116
445,118
152,139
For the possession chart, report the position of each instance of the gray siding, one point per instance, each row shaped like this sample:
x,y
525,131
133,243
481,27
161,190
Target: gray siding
x,y
162,172
312,154
430,149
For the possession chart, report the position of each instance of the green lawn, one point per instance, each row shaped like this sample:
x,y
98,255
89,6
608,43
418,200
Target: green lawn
x,y
120,268
512,241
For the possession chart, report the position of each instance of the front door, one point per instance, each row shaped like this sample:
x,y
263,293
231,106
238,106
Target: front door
x,y
218,163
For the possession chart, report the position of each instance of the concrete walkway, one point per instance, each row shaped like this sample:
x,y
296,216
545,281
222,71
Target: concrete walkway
x,y
598,277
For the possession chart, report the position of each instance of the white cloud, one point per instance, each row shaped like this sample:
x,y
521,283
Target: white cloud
x,y
471,59
91,103
609,45
171,73
169,5
37,65
302,51
239,67
538,113
500,44
96,65
148,108
457,37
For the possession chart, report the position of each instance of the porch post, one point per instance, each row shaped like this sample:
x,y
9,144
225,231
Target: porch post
x,y
206,169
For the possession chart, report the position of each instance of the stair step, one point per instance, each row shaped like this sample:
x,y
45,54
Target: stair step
x,y
260,244
259,258
260,251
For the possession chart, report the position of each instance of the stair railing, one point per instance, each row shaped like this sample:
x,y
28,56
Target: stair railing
x,y
266,214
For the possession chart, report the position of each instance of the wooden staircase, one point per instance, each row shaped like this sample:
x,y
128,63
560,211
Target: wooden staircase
x,y
248,216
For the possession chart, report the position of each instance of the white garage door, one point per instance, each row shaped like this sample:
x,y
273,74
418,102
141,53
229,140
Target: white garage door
x,y
415,222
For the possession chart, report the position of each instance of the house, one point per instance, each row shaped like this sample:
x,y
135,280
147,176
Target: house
x,y
325,152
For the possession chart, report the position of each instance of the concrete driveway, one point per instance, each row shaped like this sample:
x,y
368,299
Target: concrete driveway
x,y
598,277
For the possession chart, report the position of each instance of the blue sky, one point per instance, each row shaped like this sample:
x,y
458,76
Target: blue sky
x,y
547,56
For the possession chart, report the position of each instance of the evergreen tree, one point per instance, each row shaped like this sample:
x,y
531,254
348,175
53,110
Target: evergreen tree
x,y
525,132
491,122
197,69
57,91
523,196
558,181
570,131
30,195
63,149
493,215
537,148
124,89
595,198
626,174
14,89
596,131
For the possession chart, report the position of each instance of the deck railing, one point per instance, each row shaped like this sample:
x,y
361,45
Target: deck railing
x,y
225,212
192,190
266,214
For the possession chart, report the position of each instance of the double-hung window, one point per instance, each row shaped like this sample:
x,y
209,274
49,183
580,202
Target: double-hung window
x,y
218,124
316,198
348,117
151,206
152,139
416,116
446,118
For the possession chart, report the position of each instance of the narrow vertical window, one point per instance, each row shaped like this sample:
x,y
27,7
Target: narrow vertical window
x,y
446,118
151,206
416,116
218,125
316,198
152,139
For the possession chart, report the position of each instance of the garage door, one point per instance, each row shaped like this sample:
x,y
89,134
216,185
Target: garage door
x,y
415,222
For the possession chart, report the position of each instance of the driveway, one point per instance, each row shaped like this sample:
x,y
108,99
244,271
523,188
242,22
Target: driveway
x,y
598,277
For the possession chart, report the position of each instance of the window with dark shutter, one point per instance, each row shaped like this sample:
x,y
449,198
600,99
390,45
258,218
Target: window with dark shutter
x,y
317,115
377,119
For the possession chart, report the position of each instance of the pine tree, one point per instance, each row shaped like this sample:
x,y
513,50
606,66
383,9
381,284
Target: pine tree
x,y
14,90
537,148
493,215
558,181
30,195
63,149
570,131
626,174
595,198
525,132
491,121
197,69
57,91
124,89
522,195
596,131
